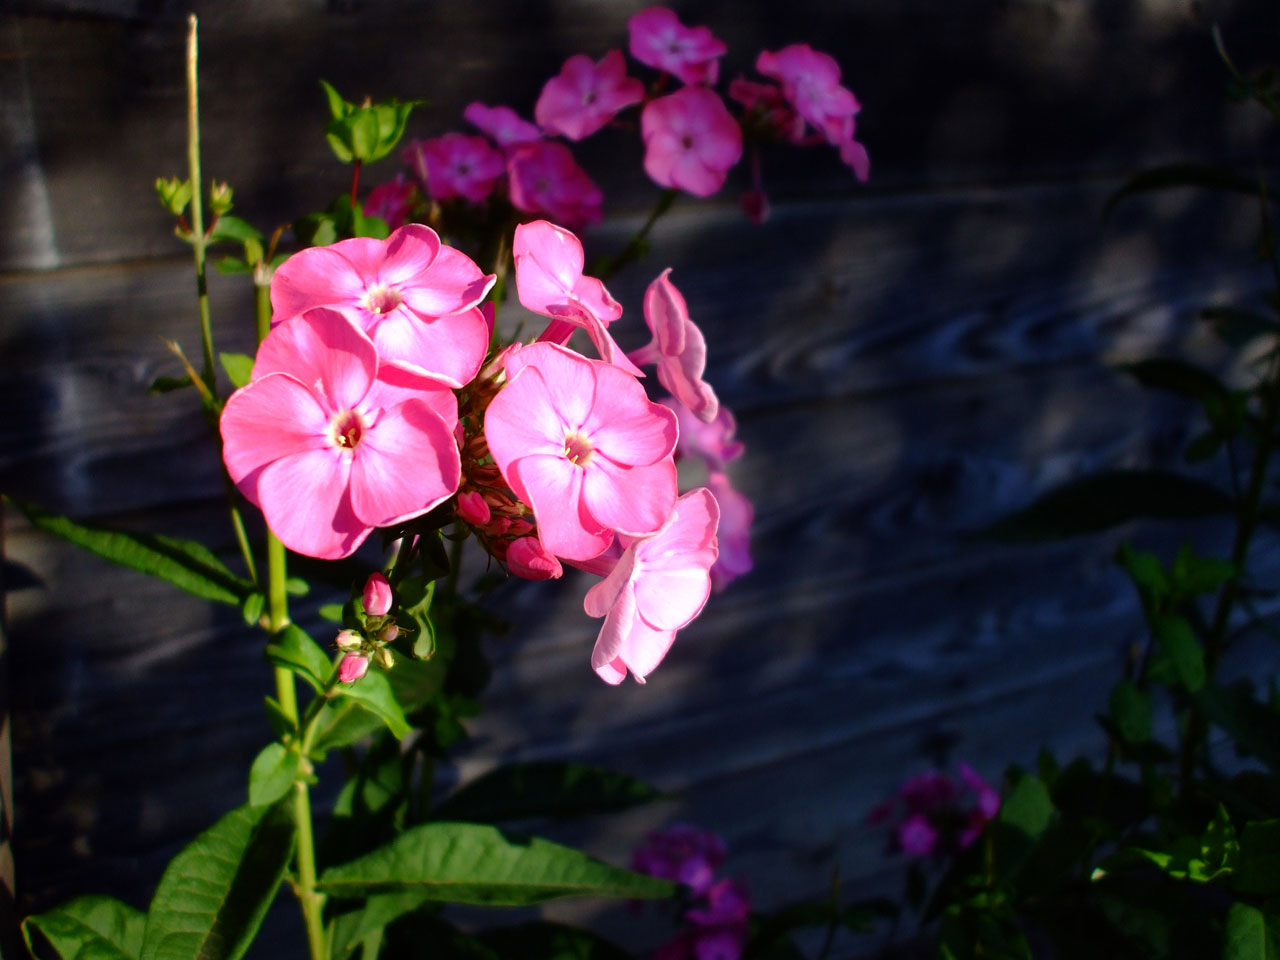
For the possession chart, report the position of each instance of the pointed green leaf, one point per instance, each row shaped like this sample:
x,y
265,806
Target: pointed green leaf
x,y
293,649
239,367
379,910
1146,571
1250,934
473,863
1174,175
227,227
338,107
101,927
252,607
331,612
373,692
1180,645
186,564
1107,499
214,894
273,773
544,789
342,722
169,384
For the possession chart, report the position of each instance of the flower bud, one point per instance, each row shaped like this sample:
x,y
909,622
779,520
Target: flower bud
x,y
174,194
473,509
377,595
528,558
386,657
388,633
219,197
349,641
352,668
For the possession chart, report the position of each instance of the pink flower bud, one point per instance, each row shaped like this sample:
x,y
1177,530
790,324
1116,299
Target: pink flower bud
x,y
388,633
473,509
349,640
528,558
352,668
377,595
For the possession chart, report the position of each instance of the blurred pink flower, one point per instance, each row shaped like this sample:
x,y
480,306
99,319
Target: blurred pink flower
x,y
678,348
414,296
331,442
660,583
768,110
661,41
736,517
391,201
377,595
712,442
691,141
585,96
755,204
544,178
456,165
579,442
504,125
934,814
682,853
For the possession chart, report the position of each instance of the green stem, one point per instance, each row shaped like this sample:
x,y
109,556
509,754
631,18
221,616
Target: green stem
x,y
634,249
262,304
198,239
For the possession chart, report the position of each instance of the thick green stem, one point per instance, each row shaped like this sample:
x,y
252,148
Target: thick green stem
x,y
209,375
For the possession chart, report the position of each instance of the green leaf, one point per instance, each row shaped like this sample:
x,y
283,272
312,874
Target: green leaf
x,y
338,107
1250,934
331,612
227,227
1174,175
1239,327
186,564
473,863
1131,711
1026,813
1180,645
1146,571
214,894
293,649
343,722
169,384
239,367
97,927
273,773
1254,726
379,910
544,789
252,608
1108,499
373,692
296,587
1258,868
282,724
1194,575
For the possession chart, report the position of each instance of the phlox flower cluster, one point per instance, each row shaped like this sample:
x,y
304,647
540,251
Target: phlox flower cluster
x,y
692,139
934,814
717,914
378,397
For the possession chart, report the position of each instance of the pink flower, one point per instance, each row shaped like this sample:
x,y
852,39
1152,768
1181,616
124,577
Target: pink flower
x,y
473,509
811,81
691,141
352,668
736,516
391,201
331,442
585,95
660,583
937,814
682,853
728,905
544,178
549,280
456,165
661,41
528,558
377,595
504,125
678,348
415,297
855,158
769,113
916,836
711,442
578,441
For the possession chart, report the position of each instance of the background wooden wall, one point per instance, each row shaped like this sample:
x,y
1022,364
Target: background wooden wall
x,y
908,362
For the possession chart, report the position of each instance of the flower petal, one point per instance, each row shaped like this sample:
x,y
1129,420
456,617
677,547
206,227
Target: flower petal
x,y
276,416
630,500
451,346
306,503
453,284
553,487
405,464
315,277
618,622
324,350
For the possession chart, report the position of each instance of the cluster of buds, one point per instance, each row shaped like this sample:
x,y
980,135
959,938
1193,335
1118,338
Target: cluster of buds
x,y
372,642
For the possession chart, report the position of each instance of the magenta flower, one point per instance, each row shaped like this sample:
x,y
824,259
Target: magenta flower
x,y
586,95
377,595
579,442
506,127
549,261
331,442
529,559
711,442
391,201
456,165
736,517
690,141
937,814
769,111
352,668
414,296
544,178
660,583
661,41
682,853
678,348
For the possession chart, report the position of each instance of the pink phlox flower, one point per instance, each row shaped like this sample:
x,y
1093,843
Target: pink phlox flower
x,y
529,559
414,296
661,41
712,442
376,596
506,127
659,585
855,157
691,141
549,261
937,814
391,201
678,348
331,441
544,178
585,96
683,853
579,442
736,517
456,165
727,904
768,111
917,836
